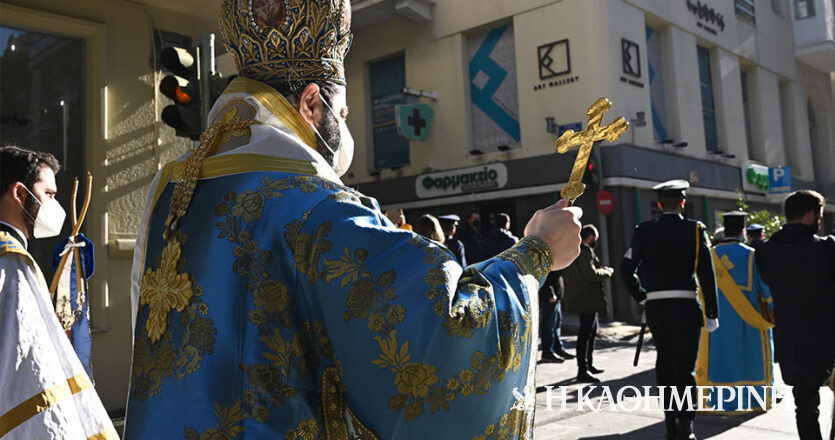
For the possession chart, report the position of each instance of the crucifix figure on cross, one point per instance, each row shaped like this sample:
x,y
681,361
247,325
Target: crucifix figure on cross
x,y
586,139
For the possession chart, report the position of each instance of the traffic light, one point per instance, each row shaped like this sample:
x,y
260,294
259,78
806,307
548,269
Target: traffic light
x,y
591,178
183,87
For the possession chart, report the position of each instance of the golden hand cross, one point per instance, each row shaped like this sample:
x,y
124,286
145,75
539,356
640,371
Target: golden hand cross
x,y
586,139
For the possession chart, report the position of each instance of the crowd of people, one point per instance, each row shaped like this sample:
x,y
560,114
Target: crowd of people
x,y
683,277
465,241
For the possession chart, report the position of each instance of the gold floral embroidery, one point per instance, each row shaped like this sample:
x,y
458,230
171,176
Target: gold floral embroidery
x,y
513,424
415,379
164,289
229,426
306,430
308,250
531,255
293,350
272,296
155,362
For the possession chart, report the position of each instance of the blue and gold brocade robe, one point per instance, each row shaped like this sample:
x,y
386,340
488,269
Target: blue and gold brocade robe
x,y
287,306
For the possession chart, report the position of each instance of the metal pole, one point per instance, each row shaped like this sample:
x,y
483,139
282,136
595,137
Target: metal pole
x,y
207,71
603,227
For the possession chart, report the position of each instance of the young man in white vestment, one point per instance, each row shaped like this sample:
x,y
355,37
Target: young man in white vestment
x,y
44,390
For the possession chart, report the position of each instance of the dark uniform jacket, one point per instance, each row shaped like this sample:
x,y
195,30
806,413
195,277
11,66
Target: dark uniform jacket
x,y
499,240
799,267
473,243
457,248
584,284
671,253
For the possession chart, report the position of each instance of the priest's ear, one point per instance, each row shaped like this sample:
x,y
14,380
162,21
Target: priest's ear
x,y
17,193
310,104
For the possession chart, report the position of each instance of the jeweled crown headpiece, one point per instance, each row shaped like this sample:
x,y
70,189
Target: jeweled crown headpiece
x,y
288,40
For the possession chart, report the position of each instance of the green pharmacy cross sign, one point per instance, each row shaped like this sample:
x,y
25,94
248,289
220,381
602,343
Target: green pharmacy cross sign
x,y
414,121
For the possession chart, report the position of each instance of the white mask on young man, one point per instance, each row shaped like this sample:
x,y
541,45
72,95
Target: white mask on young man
x,y
50,218
343,156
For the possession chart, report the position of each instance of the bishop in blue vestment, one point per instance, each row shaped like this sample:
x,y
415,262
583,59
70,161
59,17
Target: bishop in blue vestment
x,y
272,301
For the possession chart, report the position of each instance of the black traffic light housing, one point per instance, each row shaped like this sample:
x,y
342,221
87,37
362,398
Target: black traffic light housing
x,y
591,178
183,87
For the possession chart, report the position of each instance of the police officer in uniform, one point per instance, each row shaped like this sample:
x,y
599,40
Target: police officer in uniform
x,y
449,223
673,253
755,233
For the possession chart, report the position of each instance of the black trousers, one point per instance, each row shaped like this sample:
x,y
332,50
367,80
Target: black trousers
x,y
675,326
585,341
806,373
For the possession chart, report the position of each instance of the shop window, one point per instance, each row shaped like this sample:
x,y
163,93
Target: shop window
x,y
656,85
708,104
745,9
804,9
388,78
42,108
746,110
494,98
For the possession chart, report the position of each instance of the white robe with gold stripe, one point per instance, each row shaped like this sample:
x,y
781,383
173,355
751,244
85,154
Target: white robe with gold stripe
x,y
44,391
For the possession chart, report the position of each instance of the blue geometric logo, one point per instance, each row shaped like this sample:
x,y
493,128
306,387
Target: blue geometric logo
x,y
482,97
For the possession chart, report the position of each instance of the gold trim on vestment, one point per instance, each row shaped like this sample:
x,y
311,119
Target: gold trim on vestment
x,y
276,104
750,284
229,164
746,311
107,434
42,402
15,247
732,292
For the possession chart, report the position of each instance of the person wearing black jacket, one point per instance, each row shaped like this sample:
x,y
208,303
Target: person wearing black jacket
x,y
500,239
673,253
470,235
550,298
799,267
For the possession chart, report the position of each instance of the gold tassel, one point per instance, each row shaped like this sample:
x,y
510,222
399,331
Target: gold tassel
x,y
210,142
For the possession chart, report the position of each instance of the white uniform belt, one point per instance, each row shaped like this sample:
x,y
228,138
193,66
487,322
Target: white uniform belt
x,y
671,294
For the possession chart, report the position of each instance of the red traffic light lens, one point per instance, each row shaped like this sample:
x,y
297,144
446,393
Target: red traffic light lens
x,y
590,167
182,97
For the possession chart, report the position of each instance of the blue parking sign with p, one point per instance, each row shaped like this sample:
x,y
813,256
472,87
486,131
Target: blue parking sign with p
x,y
780,180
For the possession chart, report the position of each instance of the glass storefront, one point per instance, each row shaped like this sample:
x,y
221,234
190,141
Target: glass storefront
x,y
42,108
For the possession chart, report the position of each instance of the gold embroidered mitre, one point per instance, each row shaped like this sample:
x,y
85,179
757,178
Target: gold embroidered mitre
x,y
288,40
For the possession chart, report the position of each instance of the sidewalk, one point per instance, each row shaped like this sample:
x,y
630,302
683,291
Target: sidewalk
x,y
614,352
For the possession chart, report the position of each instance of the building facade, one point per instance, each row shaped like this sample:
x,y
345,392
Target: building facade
x,y
78,81
712,88
717,92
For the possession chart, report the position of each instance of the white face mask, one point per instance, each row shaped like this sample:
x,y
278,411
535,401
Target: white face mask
x,y
50,217
345,154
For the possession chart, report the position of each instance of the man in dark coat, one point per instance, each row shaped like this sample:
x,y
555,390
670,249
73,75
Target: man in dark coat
x,y
501,239
661,268
449,223
550,296
586,297
799,267
470,236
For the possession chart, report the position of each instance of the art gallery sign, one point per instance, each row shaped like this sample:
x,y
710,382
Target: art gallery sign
x,y
461,181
